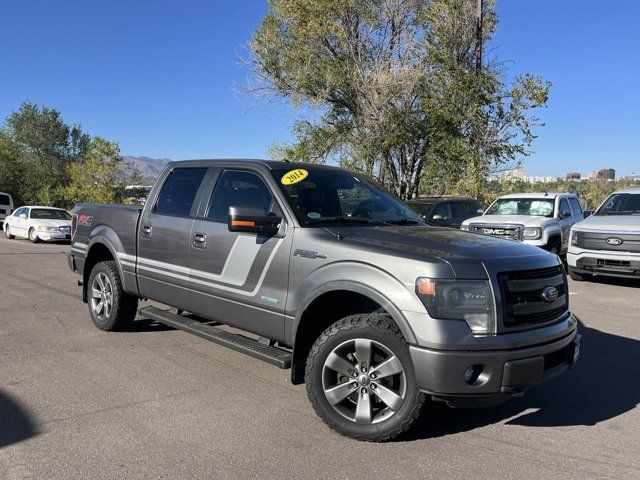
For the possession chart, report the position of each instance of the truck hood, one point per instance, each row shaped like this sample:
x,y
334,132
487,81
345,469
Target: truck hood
x,y
607,223
526,220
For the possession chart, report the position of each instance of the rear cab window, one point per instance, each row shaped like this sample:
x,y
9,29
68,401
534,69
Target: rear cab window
x,y
179,191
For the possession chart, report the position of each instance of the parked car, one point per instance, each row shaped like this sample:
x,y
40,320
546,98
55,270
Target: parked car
x,y
608,242
540,219
374,310
6,206
446,211
39,223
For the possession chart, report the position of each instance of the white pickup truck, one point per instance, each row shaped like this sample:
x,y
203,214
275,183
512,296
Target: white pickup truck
x,y
608,242
540,219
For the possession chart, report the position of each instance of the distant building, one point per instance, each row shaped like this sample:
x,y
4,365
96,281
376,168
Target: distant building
x,y
634,177
574,176
606,174
518,172
540,179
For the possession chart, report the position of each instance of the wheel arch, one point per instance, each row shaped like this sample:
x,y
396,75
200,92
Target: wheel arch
x,y
101,248
330,303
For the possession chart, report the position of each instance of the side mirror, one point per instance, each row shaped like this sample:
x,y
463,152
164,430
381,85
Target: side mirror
x,y
563,215
437,218
588,213
23,215
253,220
480,211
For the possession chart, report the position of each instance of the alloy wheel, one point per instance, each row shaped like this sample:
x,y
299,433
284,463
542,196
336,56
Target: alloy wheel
x,y
101,296
364,381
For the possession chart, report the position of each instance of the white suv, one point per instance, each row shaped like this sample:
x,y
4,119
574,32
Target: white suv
x,y
6,206
540,219
608,242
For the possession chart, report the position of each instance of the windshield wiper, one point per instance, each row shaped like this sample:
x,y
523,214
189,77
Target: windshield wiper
x,y
403,221
362,221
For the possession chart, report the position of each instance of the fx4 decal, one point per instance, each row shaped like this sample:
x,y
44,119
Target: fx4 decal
x,y
85,220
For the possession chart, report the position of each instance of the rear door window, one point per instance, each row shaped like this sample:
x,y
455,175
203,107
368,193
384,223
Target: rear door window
x,y
575,206
459,209
179,191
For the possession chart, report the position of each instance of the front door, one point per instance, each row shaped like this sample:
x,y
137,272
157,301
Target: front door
x,y
239,278
164,236
566,220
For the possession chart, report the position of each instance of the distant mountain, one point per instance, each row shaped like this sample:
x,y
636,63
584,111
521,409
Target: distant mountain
x,y
148,167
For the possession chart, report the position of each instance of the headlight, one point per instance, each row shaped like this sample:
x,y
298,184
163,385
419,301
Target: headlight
x,y
44,228
468,300
532,233
574,238
464,227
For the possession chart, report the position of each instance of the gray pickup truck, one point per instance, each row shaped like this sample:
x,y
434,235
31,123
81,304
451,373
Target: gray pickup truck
x,y
338,280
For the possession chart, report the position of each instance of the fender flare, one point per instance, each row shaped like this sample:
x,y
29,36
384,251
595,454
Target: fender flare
x,y
100,235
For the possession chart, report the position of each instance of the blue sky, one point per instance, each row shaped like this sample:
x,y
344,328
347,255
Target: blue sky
x,y
162,77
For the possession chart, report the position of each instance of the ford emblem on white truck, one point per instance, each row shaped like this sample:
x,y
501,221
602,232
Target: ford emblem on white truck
x,y
614,241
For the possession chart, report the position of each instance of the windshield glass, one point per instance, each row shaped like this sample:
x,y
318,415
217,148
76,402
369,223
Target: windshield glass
x,y
621,204
322,197
49,214
542,207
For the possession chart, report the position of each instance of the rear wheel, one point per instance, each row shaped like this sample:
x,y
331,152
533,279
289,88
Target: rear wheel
x,y
33,236
110,307
7,232
360,378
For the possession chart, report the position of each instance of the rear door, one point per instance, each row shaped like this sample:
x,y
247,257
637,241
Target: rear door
x,y
164,237
240,278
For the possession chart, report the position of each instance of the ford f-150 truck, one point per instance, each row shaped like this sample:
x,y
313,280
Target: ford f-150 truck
x,y
340,281
608,242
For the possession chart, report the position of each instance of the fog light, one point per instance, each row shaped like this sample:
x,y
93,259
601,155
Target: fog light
x,y
475,375
468,374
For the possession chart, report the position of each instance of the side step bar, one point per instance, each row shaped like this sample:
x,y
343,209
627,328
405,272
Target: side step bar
x,y
274,355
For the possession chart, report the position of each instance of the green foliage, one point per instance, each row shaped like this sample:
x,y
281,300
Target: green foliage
x,y
591,192
98,178
394,90
45,161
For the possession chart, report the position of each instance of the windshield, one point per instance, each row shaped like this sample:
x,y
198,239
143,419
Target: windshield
x,y
621,204
49,214
542,207
322,197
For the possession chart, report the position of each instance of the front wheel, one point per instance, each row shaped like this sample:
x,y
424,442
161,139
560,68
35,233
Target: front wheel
x,y
110,307
33,236
7,232
360,378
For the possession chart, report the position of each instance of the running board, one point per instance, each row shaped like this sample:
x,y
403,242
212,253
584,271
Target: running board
x,y
274,355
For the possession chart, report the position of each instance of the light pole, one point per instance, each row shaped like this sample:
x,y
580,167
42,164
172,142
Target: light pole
x,y
478,52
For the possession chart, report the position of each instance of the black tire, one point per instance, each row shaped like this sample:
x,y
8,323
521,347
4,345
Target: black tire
x,y
575,276
123,307
555,246
7,232
381,330
33,236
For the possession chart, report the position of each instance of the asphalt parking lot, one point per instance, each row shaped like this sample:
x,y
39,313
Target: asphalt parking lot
x,y
76,402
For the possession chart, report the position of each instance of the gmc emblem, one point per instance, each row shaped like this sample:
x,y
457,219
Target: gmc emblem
x,y
493,231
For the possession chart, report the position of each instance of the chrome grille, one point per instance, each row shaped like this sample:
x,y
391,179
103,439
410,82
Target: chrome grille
x,y
510,232
522,299
599,241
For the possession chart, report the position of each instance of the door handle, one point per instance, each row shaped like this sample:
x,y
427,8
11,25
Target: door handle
x,y
199,240
146,231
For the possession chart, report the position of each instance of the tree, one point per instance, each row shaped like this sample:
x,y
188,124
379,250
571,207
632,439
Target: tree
x,y
393,89
39,145
98,178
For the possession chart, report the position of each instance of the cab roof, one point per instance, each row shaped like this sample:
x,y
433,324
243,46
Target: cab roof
x,y
634,190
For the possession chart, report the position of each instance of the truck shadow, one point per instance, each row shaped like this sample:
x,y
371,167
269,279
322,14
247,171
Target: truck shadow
x,y
16,424
604,384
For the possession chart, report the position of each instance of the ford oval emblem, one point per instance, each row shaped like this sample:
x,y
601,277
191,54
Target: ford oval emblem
x,y
549,294
614,241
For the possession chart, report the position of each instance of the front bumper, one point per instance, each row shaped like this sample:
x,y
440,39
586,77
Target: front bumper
x,y
497,374
602,262
53,236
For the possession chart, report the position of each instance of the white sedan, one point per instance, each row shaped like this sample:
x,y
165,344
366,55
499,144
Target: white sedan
x,y
38,223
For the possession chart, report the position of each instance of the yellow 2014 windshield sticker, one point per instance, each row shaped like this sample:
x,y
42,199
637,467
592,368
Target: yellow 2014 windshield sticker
x,y
294,176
